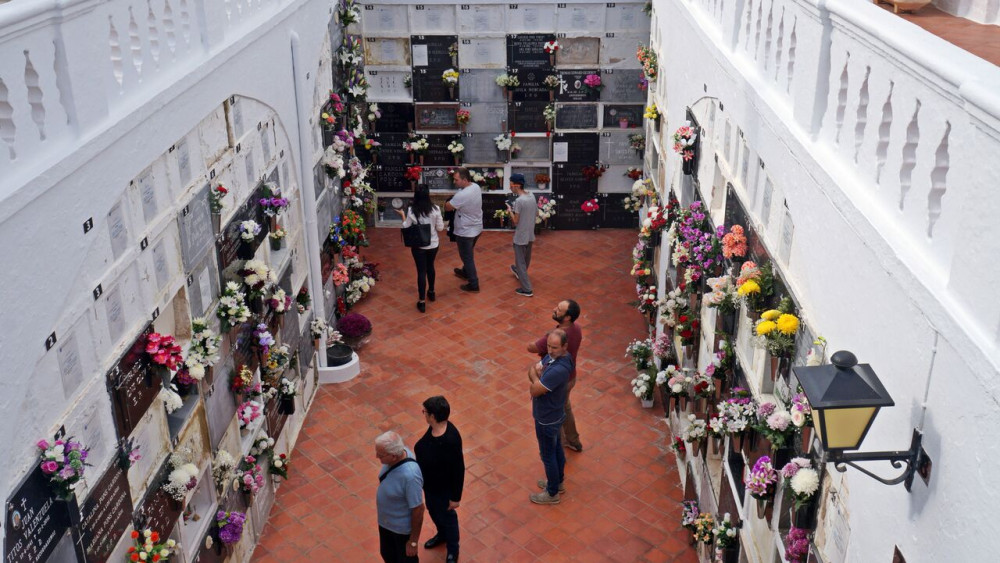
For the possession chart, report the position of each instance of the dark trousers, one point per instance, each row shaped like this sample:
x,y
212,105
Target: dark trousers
x,y
424,260
445,520
392,546
551,451
466,246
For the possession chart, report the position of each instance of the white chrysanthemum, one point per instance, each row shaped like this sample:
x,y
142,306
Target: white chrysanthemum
x,y
805,482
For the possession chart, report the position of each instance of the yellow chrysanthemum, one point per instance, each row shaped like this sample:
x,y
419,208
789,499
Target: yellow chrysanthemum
x,y
788,324
770,315
765,327
748,287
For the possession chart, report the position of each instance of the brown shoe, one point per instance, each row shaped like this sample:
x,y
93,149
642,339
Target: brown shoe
x,y
543,484
544,498
574,447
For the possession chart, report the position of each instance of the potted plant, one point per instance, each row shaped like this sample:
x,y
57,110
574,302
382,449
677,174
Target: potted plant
x,y
722,297
355,329
641,352
776,425
647,58
542,180
337,353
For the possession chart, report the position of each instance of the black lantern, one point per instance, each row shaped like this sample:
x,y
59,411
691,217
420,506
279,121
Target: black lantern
x,y
845,398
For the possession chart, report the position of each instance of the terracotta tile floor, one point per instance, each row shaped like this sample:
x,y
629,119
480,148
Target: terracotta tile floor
x,y
623,493
979,39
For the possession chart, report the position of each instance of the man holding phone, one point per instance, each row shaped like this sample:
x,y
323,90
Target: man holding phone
x,y
522,214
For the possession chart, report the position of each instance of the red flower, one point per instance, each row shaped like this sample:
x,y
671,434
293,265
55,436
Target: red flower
x,y
683,319
135,534
156,557
221,189
134,557
154,537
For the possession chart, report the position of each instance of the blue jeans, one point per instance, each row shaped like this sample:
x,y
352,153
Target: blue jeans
x,y
551,450
466,246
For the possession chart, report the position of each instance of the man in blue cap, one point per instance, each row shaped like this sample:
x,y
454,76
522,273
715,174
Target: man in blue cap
x,y
522,214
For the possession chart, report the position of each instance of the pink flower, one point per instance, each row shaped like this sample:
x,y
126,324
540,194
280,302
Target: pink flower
x,y
50,467
43,445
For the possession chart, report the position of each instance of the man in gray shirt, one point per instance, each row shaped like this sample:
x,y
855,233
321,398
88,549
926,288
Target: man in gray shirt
x,y
523,216
468,207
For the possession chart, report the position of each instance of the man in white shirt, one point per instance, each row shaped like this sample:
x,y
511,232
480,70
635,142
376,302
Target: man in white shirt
x,y
468,207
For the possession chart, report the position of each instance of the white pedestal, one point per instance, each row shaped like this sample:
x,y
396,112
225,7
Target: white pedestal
x,y
340,374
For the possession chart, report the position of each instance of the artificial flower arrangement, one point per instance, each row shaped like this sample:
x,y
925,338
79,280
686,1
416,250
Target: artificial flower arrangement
x,y
230,525
374,112
417,145
349,13
408,81
645,189
678,446
242,379
280,302
687,328
503,141
223,469
652,112
250,476
695,431
148,548
702,386
663,348
287,389
508,81
515,150
453,50
164,351
751,285
463,116
552,82
734,243
735,414
203,351
449,77
63,463
278,233
801,410
641,352
677,383
359,288
456,148
633,173
172,400
354,325
796,545
183,476
671,306
302,300
279,465
357,85
549,114
249,411
590,206
551,47
317,328
703,526
342,141
413,173
215,197
546,206
637,142
647,299
724,532
257,276
695,244
801,479
371,145
276,361
263,338
722,294
777,328
593,172
655,221
272,202
340,275
352,228
232,309
774,424
333,163
684,139
647,58
488,179
761,480
592,83
643,386
501,214
689,513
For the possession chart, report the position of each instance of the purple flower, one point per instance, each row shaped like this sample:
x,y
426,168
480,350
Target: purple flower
x,y
765,410
789,470
67,473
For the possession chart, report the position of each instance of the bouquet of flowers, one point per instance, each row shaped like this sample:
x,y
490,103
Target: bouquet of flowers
x,y
171,400
676,381
352,228
248,412
633,173
796,545
590,206
734,243
647,298
317,328
63,462
333,163
801,410
303,300
687,327
463,116
417,145
549,114
696,429
272,202
761,479
694,242
349,14
280,302
642,385
749,285
678,446
552,82
263,338
279,465
724,532
722,294
702,386
637,142
652,112
223,469
508,81
148,547
801,479
546,208
777,329
501,214
215,197
641,352
359,288
163,350
689,513
450,77
515,149
278,233
184,475
503,141
371,145
250,477
663,347
647,58
456,148
413,173
671,306
230,526
737,412
287,388
655,221
232,307
703,526
684,139
277,360
374,112
774,424
644,188
592,83
593,172
632,203
242,379
551,47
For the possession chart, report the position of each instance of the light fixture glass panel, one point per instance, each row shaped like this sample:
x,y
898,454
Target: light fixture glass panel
x,y
845,427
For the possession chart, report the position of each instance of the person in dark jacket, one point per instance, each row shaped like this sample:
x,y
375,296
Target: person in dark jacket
x,y
439,455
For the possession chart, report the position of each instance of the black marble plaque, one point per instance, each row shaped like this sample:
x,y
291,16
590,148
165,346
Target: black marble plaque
x,y
438,117
526,51
390,178
275,420
567,178
438,178
438,153
35,520
391,151
220,402
527,117
106,514
622,85
631,114
437,46
574,89
492,203
428,87
531,88
244,353
569,216
529,173
158,511
132,386
396,118
229,241
576,116
613,212
583,148
195,227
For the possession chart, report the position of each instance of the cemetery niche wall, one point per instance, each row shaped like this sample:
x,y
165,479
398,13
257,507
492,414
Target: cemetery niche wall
x,y
507,79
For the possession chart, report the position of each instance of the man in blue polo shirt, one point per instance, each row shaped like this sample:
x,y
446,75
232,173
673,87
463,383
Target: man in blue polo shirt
x,y
399,500
549,379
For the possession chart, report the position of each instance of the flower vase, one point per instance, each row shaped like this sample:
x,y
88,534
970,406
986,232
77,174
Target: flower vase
x,y
696,447
693,299
764,508
160,372
727,322
412,157
421,160
280,320
70,507
458,160
656,125
542,185
451,92
244,431
216,223
552,95
803,517
780,457
730,554
552,59
646,403
374,159
256,304
806,438
754,315
413,185
286,405
245,250
779,367
510,95
687,166
716,444
277,243
623,123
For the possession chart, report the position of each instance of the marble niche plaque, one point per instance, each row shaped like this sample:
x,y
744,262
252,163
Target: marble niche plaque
x,y
35,521
480,148
615,149
106,514
532,149
577,18
387,52
436,117
621,86
384,19
529,173
576,116
396,118
479,19
528,117
480,86
573,89
486,117
481,52
431,18
432,52
131,383
203,286
526,51
526,18
387,86
579,51
195,226
626,17
618,50
629,115
158,510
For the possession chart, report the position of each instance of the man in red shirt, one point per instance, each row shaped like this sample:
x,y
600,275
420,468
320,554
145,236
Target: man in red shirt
x,y
566,313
